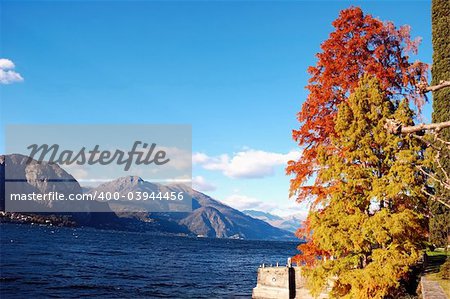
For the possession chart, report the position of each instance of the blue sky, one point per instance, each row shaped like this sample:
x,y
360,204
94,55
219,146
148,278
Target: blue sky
x,y
234,70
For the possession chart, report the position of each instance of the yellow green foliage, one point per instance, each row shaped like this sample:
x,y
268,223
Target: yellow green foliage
x,y
372,225
440,12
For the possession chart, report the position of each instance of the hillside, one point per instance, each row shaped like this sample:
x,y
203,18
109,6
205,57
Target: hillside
x,y
209,217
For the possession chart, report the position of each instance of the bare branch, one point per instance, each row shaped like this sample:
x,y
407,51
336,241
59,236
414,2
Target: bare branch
x,y
418,128
442,141
428,143
434,178
423,87
437,159
435,198
395,127
434,145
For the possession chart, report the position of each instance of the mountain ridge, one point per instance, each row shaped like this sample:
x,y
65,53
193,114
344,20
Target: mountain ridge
x,y
209,217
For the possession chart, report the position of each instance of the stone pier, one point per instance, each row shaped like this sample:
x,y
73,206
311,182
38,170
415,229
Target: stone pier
x,y
281,283
431,289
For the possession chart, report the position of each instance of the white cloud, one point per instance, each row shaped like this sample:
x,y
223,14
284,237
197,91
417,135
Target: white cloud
x,y
199,183
243,202
245,164
292,208
199,158
6,64
7,73
286,208
180,159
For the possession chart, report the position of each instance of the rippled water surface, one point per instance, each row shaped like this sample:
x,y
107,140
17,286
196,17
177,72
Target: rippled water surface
x,y
70,263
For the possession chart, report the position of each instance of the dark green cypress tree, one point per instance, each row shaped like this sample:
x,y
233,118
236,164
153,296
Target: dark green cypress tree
x,y
440,219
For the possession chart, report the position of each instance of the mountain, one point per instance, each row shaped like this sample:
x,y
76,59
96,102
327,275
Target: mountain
x,y
290,223
209,217
26,178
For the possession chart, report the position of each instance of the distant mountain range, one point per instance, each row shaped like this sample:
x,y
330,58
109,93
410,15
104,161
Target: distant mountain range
x,y
209,217
290,223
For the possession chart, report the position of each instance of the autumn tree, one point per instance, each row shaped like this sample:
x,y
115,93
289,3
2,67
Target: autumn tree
x,y
440,220
360,44
372,223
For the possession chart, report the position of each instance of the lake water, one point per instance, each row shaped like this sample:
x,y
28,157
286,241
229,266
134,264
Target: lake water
x,y
39,261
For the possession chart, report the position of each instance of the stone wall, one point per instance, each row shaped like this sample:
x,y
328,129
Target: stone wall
x,y
281,283
431,289
288,282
